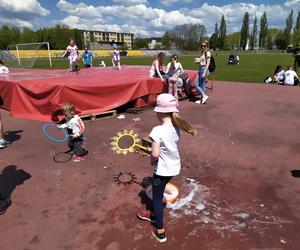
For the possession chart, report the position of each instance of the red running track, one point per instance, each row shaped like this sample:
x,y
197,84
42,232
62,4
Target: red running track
x,y
38,94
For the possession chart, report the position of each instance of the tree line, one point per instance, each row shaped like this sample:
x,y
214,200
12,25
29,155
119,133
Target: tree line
x,y
57,36
186,36
261,37
257,38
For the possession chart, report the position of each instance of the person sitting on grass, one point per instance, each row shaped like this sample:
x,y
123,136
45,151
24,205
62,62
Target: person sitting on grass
x,y
174,70
290,77
87,58
157,67
75,129
278,76
3,69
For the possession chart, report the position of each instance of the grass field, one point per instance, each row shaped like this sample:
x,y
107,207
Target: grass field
x,y
252,68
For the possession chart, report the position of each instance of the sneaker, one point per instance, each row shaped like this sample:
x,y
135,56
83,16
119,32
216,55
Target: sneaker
x,y
161,237
4,204
204,99
77,158
3,143
145,215
198,102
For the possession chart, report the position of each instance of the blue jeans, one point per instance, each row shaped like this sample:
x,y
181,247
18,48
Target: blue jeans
x,y
158,188
200,82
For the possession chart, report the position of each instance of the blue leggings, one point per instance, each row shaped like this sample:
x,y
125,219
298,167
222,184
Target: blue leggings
x,y
158,188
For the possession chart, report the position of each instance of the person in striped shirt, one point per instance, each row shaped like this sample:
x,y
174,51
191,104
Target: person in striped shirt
x,y
75,128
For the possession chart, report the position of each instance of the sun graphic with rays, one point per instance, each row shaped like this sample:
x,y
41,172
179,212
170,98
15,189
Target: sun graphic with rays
x,y
132,142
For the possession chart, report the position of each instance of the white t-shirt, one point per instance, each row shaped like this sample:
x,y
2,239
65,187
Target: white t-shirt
x,y
75,124
73,51
202,59
3,70
289,77
176,71
166,137
116,56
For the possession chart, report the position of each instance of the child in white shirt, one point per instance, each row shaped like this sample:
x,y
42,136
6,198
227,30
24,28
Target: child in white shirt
x,y
75,129
73,55
3,69
164,157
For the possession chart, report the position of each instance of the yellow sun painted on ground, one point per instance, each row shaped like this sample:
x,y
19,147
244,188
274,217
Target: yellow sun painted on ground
x,y
127,141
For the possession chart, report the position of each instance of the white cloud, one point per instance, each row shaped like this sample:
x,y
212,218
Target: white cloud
x,y
169,2
15,22
292,3
130,2
24,6
149,21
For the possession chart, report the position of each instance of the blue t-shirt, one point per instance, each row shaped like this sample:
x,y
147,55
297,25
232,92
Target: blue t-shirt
x,y
87,56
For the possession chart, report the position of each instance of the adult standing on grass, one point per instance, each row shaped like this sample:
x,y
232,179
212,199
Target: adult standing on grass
x,y
87,58
157,67
204,61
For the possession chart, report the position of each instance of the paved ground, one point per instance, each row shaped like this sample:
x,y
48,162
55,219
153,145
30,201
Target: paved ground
x,y
236,188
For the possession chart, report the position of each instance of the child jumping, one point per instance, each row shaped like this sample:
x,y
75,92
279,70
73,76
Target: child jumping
x,y
75,129
116,60
72,51
164,157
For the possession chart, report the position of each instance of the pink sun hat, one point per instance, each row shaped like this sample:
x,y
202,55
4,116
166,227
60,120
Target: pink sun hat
x,y
166,103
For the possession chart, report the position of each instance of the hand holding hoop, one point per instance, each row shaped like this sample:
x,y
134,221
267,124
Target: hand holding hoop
x,y
63,132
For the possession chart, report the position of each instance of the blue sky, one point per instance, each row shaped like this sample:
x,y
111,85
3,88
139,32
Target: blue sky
x,y
142,17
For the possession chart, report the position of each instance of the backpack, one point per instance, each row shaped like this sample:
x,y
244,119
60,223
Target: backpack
x,y
212,64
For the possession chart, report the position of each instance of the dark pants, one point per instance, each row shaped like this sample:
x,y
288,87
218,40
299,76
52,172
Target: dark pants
x,y
75,144
158,188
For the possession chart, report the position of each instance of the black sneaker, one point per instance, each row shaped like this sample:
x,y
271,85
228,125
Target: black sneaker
x,y
161,237
4,204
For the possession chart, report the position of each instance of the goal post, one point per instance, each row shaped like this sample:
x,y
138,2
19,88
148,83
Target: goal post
x,y
26,54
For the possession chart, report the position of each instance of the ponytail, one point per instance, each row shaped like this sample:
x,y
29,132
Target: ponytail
x,y
180,123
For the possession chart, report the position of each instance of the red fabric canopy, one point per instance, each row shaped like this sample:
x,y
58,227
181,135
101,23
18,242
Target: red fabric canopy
x,y
37,94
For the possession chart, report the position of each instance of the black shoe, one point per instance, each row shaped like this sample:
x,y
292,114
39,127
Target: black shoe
x,y
161,237
4,204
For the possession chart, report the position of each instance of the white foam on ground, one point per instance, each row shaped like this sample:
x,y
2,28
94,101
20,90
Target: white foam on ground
x,y
191,204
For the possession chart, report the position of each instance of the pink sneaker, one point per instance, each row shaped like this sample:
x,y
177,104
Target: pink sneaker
x,y
77,158
145,215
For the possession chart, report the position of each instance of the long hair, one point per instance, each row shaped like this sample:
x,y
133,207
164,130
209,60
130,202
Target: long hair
x,y
278,69
180,123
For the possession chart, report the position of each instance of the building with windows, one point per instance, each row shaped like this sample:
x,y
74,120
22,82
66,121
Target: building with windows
x,y
98,40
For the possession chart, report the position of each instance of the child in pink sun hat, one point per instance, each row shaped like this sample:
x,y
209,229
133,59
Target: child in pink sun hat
x,y
164,157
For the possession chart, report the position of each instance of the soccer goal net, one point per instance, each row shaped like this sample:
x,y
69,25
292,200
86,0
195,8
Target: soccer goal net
x,y
27,55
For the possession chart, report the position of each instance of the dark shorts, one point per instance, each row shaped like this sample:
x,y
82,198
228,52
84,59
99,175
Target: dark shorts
x,y
163,74
87,66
